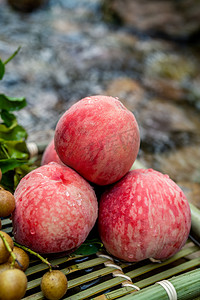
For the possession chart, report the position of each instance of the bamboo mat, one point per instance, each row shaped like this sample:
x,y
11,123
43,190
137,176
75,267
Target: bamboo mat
x,y
100,276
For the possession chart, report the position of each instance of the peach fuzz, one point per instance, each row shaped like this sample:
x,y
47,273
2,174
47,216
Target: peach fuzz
x,y
50,154
99,138
144,215
55,209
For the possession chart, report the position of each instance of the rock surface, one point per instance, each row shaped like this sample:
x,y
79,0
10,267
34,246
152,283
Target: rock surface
x,y
169,17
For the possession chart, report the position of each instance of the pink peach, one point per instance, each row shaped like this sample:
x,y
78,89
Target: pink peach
x,y
55,209
99,138
50,154
144,215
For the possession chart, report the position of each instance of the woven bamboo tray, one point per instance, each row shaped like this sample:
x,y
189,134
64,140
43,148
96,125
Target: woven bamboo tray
x,y
100,276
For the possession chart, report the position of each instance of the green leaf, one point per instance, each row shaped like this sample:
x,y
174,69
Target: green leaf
x,y
2,64
11,179
21,171
89,247
14,155
12,56
15,149
2,69
13,133
7,180
8,118
11,103
3,152
10,164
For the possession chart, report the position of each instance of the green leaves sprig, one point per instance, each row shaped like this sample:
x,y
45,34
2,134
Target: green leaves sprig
x,y
14,155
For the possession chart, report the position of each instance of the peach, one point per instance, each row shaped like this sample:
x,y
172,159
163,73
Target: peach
x,y
55,209
50,154
99,138
144,215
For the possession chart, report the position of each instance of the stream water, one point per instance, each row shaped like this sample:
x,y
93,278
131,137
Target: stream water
x,y
69,51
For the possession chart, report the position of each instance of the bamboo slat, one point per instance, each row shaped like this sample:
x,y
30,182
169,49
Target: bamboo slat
x,y
195,228
93,276
187,286
98,277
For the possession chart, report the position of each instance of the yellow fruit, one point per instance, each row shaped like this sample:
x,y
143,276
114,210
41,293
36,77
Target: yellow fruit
x,y
13,283
54,285
4,254
7,203
22,258
4,266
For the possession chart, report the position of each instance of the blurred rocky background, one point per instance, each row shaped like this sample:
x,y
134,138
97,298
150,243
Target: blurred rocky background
x,y
146,53
177,19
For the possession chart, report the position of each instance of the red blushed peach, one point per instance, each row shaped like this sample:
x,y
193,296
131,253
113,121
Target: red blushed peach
x,y
99,138
50,155
55,209
144,215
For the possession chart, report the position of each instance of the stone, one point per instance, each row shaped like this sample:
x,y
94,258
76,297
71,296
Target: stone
x,y
26,5
182,164
163,124
128,90
168,74
177,19
192,191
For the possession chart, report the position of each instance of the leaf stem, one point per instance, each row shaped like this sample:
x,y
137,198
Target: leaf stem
x,y
5,150
14,258
12,56
36,254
